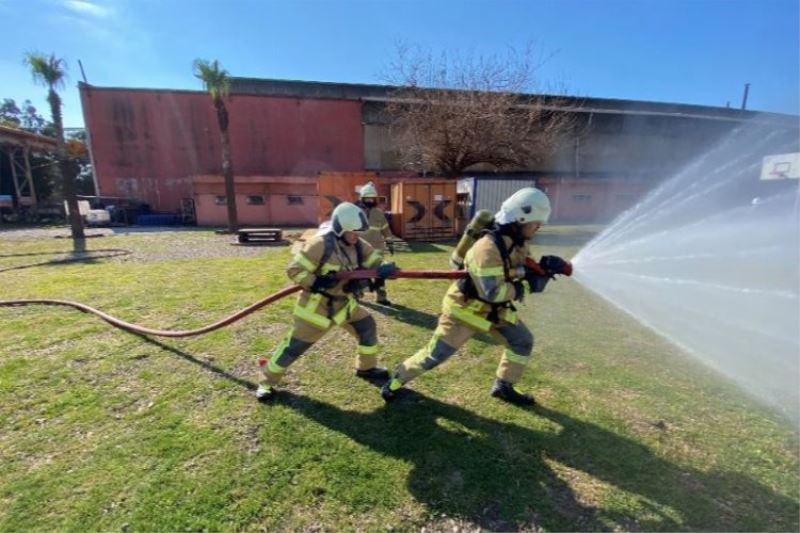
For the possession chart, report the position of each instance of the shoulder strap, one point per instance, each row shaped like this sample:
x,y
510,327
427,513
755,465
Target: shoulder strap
x,y
505,254
330,241
359,255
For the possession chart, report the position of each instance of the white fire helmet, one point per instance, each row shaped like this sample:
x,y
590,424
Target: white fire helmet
x,y
348,217
368,191
526,205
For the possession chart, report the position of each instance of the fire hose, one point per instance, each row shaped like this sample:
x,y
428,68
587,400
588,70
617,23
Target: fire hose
x,y
356,274
134,328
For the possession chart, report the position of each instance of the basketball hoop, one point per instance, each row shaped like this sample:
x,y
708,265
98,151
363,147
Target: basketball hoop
x,y
779,174
781,167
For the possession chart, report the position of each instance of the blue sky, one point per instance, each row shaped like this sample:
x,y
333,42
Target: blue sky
x,y
689,51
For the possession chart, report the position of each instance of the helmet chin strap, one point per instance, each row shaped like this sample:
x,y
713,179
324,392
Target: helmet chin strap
x,y
343,240
513,230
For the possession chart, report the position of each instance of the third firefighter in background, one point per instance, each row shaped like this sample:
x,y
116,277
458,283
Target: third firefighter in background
x,y
378,234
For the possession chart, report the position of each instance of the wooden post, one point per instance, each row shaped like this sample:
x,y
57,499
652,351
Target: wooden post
x,y
26,151
11,161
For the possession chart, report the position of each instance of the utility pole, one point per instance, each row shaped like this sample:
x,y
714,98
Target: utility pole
x,y
744,97
83,74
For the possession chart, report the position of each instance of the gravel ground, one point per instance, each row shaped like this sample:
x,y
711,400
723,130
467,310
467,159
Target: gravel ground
x,y
146,244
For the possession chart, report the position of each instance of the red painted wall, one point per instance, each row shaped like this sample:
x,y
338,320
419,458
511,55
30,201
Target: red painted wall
x,y
274,191
147,144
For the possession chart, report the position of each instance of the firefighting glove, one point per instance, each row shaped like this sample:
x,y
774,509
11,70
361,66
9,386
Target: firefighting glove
x,y
356,286
324,282
390,246
552,265
386,270
536,281
519,291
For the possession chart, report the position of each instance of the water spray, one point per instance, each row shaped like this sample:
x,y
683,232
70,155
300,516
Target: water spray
x,y
710,259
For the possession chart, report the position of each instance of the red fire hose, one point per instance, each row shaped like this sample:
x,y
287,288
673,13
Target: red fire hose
x,y
134,328
357,274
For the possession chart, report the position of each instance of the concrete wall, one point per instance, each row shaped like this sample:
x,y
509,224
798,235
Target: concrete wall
x,y
148,144
583,200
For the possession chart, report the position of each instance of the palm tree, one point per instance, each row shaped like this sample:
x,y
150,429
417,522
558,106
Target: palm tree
x,y
217,84
50,72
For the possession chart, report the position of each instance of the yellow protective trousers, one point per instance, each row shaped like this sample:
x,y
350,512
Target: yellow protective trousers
x,y
304,333
451,333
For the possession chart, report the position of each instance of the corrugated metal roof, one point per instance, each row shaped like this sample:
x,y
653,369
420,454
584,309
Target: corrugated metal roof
x,y
380,93
571,105
17,137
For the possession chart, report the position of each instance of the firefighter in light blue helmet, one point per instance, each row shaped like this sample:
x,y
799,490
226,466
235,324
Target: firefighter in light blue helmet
x,y
326,302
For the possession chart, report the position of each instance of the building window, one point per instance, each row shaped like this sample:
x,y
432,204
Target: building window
x,y
255,199
220,200
294,199
582,198
624,197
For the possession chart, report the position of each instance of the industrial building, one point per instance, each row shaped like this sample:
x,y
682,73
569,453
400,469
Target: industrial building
x,y
162,147
16,179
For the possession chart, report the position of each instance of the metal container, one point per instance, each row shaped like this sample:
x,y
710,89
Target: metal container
x,y
488,192
424,209
337,187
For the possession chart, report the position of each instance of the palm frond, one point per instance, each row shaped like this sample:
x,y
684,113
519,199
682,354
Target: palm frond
x,y
215,79
49,71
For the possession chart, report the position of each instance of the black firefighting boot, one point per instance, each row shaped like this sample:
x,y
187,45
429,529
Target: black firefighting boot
x,y
505,391
265,393
373,374
390,390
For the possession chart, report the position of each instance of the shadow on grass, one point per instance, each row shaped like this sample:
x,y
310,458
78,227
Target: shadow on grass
x,y
249,385
502,476
78,254
499,476
409,315
424,246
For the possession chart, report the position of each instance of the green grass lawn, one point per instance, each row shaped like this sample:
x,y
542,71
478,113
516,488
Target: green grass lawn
x,y
100,428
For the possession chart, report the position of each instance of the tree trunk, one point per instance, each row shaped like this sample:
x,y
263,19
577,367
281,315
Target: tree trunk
x,y
227,165
63,168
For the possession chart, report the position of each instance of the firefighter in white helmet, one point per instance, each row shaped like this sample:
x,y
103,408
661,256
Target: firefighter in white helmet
x,y
482,302
326,302
378,234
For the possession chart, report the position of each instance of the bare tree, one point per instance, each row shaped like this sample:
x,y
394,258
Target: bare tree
x,y
452,113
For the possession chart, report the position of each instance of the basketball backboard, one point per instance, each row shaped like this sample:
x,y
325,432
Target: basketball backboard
x,y
781,167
